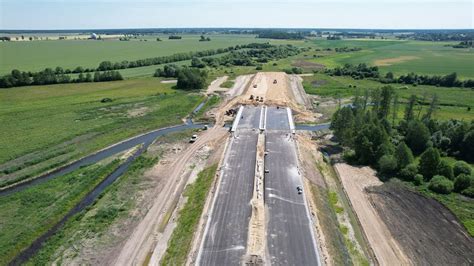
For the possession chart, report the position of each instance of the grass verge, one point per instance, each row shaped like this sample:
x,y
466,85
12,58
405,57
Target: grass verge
x,y
461,206
30,213
189,215
113,203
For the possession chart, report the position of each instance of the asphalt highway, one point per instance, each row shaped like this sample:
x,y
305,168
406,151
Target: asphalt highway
x,y
289,235
290,239
226,234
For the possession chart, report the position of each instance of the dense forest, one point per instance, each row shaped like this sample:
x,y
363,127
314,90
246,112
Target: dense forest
x,y
281,35
375,136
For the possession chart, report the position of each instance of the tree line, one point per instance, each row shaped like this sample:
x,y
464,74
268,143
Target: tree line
x,y
19,78
362,71
369,128
281,35
50,76
250,57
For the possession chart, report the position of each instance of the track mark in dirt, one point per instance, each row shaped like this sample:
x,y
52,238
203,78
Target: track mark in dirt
x,y
427,231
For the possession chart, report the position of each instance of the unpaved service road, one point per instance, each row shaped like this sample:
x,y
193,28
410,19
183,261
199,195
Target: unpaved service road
x,y
355,181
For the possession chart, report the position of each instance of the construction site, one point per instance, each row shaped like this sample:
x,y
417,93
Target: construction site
x,y
270,200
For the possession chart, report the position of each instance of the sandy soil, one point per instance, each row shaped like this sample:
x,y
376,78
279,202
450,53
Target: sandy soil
x,y
215,85
427,231
169,81
240,84
355,181
395,60
141,242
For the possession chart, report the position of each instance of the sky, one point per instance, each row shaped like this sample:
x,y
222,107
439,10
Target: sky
x,y
111,14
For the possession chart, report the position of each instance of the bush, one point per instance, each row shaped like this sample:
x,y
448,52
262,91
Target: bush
x,y
461,167
418,180
445,170
462,182
429,161
468,192
441,184
191,79
387,164
409,172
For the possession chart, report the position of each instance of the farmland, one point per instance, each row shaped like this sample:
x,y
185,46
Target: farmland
x,y
63,122
47,126
37,55
432,58
453,101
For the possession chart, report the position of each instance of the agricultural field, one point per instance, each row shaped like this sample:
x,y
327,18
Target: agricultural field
x,y
49,125
453,102
37,55
401,57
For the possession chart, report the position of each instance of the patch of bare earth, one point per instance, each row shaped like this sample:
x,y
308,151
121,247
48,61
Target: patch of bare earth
x,y
428,232
395,60
356,180
308,65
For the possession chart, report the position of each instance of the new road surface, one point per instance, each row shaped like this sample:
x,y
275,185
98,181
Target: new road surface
x,y
290,239
226,233
289,236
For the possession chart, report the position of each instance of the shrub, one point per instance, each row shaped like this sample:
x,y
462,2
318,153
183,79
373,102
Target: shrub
x,y
441,184
418,180
429,162
461,167
462,182
387,164
404,155
409,172
445,170
259,67
468,192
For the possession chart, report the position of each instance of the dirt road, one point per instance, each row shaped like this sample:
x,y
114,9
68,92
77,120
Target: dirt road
x,y
355,181
141,242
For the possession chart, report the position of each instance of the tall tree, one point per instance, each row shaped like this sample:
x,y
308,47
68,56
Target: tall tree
x,y
417,136
403,155
432,109
395,108
409,110
385,99
429,162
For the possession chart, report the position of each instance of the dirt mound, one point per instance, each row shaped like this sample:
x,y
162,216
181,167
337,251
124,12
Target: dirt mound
x,y
428,232
308,65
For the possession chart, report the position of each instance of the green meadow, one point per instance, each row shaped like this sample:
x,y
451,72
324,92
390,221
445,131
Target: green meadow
x,y
37,55
56,123
453,102
422,57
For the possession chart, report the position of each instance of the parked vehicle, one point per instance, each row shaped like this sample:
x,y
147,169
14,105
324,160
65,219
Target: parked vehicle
x,y
193,138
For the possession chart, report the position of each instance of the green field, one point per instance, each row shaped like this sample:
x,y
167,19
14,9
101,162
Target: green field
x,y
33,211
423,57
453,102
37,55
62,122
